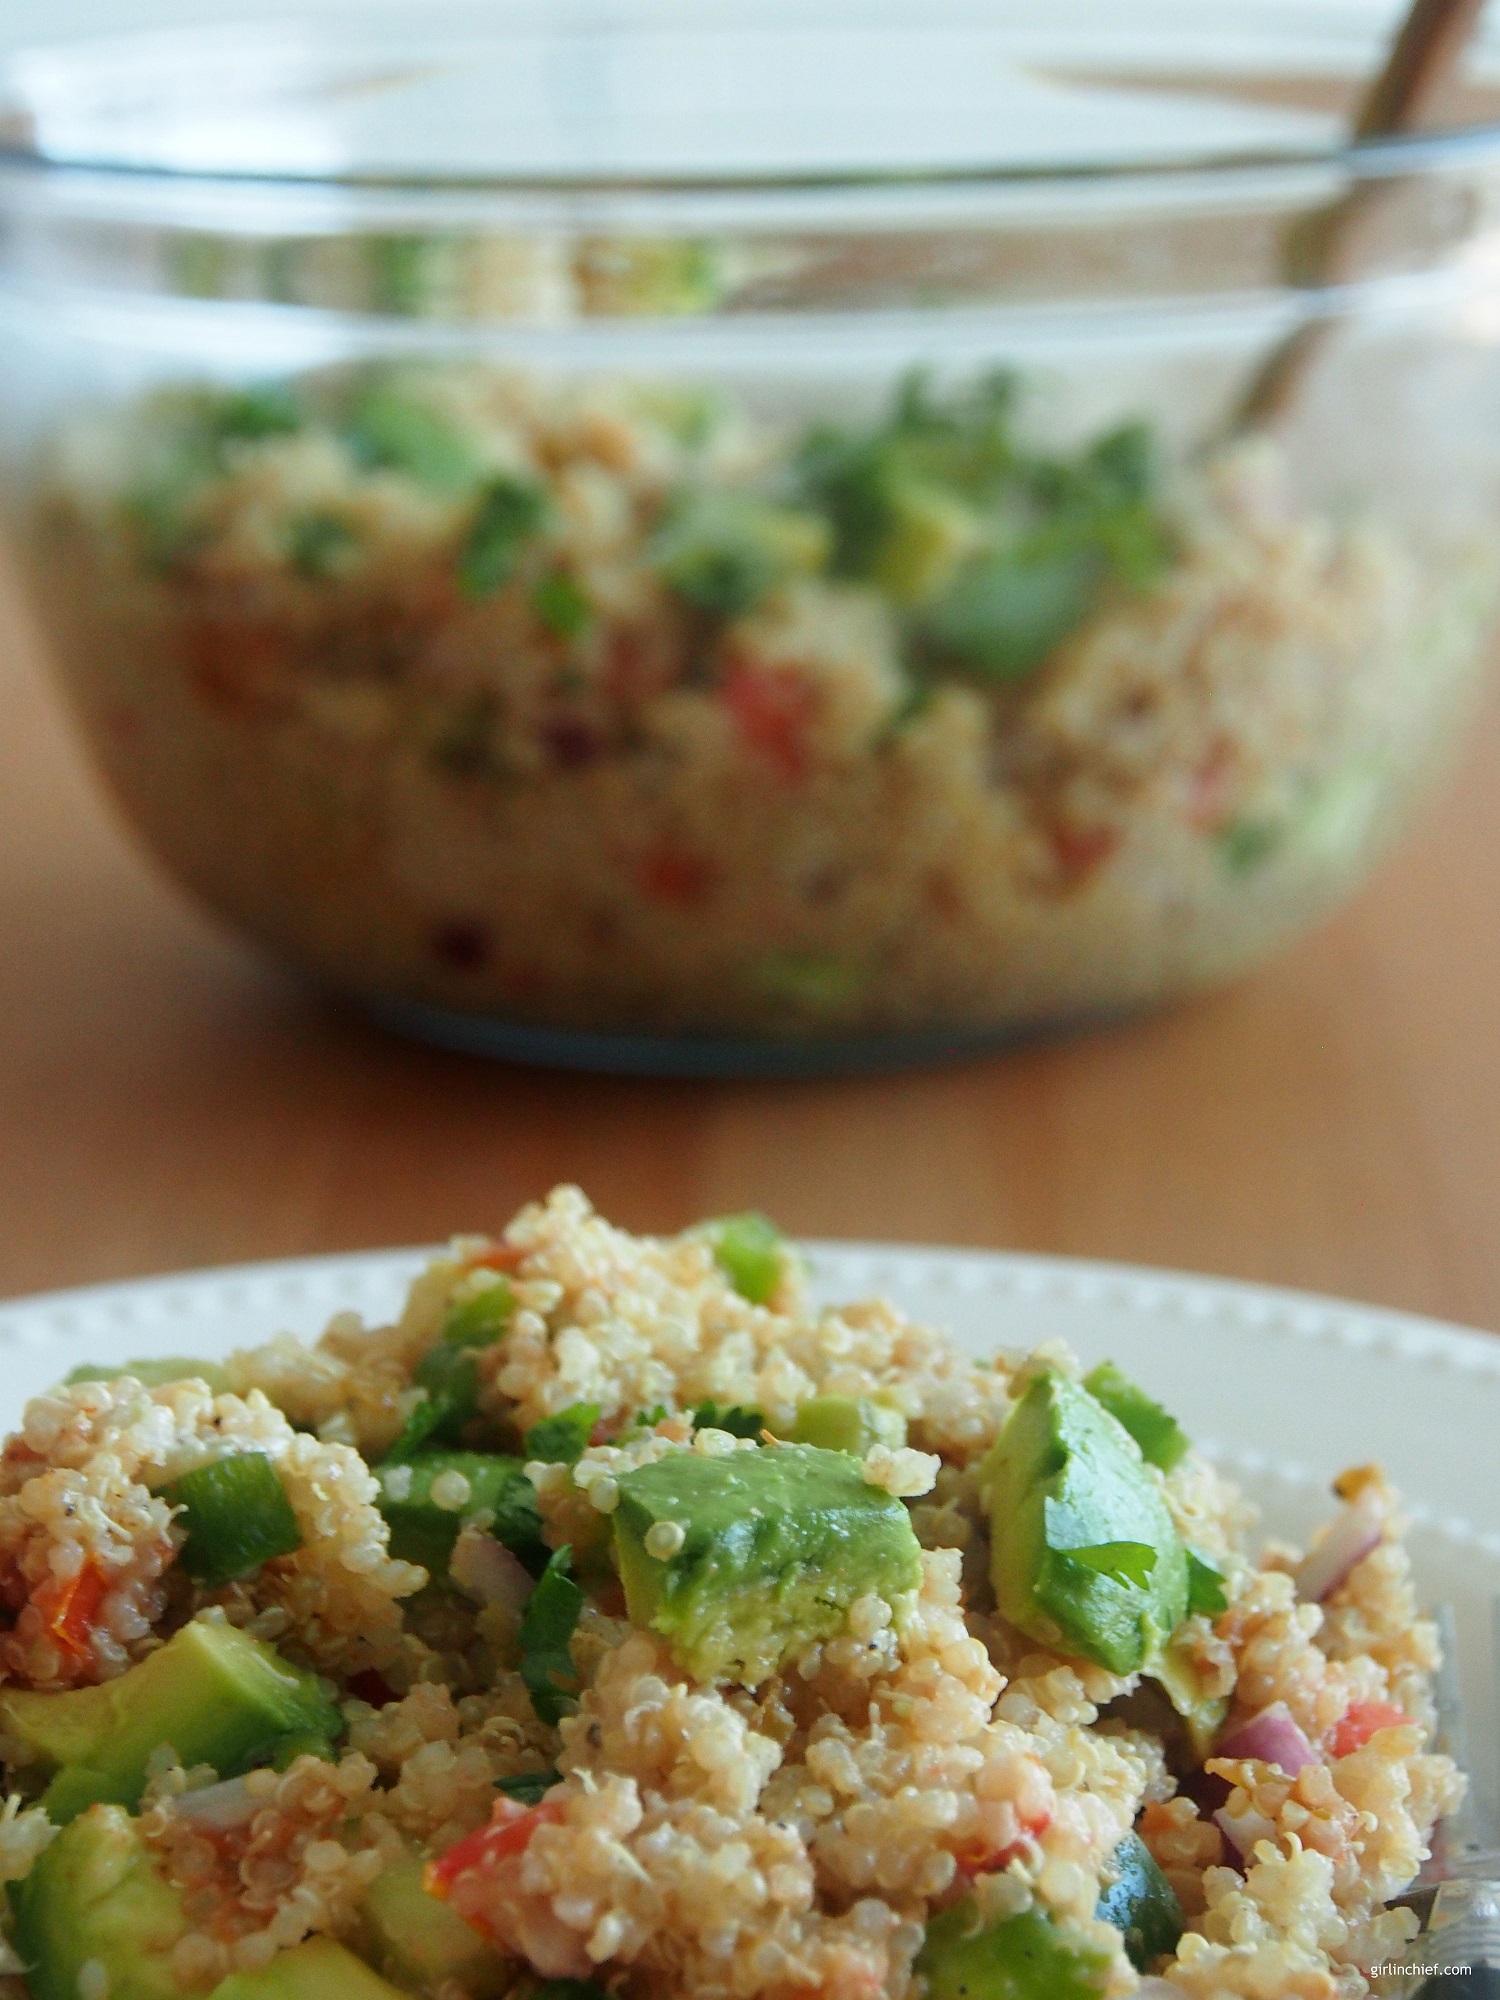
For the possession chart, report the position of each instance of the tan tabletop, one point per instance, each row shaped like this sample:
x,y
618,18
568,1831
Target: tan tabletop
x,y
167,1099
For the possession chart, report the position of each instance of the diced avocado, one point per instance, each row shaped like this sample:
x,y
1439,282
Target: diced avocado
x,y
750,1250
95,1896
236,1514
1025,1957
392,430
154,1374
421,1942
213,1693
1003,613
1141,1904
848,1423
1177,1674
929,534
726,552
1162,1439
422,1532
777,1542
316,1970
1084,1555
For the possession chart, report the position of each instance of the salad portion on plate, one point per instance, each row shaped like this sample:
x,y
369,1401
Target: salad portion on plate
x,y
617,1620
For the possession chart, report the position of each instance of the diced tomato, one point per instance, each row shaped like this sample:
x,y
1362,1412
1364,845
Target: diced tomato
x,y
75,1607
501,1257
239,668
1209,789
774,708
373,1687
680,880
509,1832
1361,1723
1079,850
978,1859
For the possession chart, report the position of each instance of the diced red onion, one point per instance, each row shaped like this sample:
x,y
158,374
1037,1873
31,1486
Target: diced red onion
x,y
1244,1830
1353,1533
220,1808
490,1571
1271,1737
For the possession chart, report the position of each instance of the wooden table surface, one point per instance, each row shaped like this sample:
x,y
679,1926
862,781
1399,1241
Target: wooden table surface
x,y
168,1100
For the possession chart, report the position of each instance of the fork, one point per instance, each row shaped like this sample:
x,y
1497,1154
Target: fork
x,y
1456,1955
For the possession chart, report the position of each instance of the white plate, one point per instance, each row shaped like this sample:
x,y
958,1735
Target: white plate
x,y
1280,1388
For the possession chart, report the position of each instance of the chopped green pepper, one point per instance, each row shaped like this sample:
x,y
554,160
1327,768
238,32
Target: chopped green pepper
x,y
237,1517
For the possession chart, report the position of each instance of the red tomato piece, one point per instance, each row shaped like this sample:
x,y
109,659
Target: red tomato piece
x,y
1361,1723
774,708
680,880
509,1832
75,1607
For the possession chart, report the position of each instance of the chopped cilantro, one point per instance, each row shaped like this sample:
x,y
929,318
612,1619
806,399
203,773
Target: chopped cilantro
x,y
1122,1562
562,1439
529,1787
561,605
1163,1441
739,1419
1206,1592
510,512
546,1663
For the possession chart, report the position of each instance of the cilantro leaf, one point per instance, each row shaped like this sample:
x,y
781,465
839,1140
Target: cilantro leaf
x,y
546,1664
529,1787
739,1419
562,1440
1206,1592
1128,1563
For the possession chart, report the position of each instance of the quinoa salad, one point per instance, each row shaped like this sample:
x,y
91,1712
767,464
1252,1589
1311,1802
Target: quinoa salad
x,y
617,1622
603,705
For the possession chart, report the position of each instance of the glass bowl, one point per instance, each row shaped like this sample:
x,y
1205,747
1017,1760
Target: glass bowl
x,y
754,545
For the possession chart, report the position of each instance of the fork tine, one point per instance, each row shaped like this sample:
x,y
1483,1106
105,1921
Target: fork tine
x,y
1463,1832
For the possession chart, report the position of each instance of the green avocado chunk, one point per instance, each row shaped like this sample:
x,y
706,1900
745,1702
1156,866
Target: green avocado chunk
x,y
154,1374
777,1542
421,1942
1141,1904
1162,1439
1025,1957
213,1693
316,1970
422,1532
1084,1555
848,1423
96,1895
749,1250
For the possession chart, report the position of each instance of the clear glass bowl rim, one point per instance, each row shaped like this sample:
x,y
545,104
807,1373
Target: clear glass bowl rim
x,y
1448,148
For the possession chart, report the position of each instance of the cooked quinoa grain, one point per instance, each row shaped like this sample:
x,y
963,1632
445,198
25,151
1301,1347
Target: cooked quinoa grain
x,y
536,1504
